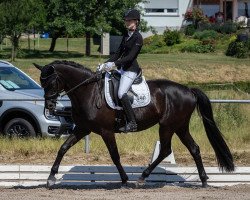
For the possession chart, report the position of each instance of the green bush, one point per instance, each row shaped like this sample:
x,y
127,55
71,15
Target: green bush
x,y
231,50
189,30
227,28
155,40
148,40
204,26
147,49
172,37
238,49
206,35
248,44
198,48
241,50
152,42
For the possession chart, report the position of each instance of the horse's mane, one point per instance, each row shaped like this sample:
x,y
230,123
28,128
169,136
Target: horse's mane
x,y
73,64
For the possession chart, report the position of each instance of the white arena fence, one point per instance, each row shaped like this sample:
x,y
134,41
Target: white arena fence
x,y
36,175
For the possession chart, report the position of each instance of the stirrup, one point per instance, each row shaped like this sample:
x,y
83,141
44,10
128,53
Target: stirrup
x,y
129,127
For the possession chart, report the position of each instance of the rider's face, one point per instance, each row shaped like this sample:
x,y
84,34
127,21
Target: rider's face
x,y
131,24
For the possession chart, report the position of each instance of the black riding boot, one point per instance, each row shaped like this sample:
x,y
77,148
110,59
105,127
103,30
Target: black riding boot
x,y
131,125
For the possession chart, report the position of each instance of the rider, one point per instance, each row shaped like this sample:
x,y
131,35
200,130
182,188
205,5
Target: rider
x,y
125,60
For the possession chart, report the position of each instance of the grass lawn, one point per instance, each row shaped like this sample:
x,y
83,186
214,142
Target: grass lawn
x,y
187,68
180,67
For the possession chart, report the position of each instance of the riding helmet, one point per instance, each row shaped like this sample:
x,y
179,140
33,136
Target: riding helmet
x,y
132,14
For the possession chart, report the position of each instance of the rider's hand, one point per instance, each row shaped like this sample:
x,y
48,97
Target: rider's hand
x,y
101,67
109,66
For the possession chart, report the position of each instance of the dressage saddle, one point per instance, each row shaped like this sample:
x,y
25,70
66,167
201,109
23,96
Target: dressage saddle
x,y
114,86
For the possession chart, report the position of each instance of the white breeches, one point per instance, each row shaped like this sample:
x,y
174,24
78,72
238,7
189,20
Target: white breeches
x,y
127,78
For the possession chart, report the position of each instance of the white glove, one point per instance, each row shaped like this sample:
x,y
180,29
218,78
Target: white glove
x,y
101,67
108,66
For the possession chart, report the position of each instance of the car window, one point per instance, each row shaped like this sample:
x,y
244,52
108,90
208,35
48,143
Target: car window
x,y
13,79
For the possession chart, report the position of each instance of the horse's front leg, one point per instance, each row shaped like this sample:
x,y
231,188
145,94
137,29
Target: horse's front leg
x,y
109,139
76,135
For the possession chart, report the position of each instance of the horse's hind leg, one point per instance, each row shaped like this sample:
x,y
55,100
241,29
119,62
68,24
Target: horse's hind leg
x,y
194,149
165,139
76,135
109,139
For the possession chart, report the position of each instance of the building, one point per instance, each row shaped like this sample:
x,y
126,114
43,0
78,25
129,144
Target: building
x,y
170,13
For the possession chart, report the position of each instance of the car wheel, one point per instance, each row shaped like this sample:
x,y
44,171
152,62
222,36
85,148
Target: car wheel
x,y
20,128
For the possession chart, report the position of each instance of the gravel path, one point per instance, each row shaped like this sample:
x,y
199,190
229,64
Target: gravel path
x,y
241,192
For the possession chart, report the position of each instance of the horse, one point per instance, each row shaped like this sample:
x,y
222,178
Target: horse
x,y
171,106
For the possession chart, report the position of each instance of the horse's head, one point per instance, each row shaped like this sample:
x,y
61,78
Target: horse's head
x,y
51,84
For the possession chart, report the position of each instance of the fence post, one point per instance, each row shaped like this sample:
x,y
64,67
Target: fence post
x,y
87,147
67,43
105,44
34,41
38,40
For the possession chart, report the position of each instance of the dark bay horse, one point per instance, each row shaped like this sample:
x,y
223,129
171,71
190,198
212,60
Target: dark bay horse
x,y
171,107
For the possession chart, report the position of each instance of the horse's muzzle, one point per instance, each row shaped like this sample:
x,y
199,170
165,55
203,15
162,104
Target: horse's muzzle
x,y
50,104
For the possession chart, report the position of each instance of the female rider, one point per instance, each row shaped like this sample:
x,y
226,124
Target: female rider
x,y
125,60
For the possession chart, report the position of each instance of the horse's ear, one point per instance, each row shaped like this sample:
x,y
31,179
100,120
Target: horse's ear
x,y
38,66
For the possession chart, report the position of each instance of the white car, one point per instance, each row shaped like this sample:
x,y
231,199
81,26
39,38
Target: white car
x,y
22,112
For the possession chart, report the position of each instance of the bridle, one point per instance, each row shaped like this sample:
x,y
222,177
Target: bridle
x,y
47,85
95,78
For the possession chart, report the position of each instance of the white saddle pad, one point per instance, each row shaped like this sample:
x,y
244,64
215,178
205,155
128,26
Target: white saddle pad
x,y
142,99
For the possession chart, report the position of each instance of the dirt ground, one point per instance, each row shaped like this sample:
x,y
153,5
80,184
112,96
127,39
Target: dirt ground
x,y
240,192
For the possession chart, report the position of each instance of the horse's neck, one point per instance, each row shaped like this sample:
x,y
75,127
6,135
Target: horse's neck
x,y
72,76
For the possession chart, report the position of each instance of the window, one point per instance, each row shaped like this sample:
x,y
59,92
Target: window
x,y
162,7
172,10
13,79
154,10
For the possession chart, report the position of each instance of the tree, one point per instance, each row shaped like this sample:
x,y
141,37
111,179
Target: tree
x,y
105,16
17,16
95,19
2,31
72,18
87,17
62,18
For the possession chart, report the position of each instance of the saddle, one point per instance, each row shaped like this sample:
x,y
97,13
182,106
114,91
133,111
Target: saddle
x,y
139,94
114,83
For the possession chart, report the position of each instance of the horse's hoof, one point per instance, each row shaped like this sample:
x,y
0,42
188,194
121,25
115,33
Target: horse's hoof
x,y
51,181
204,185
141,182
124,186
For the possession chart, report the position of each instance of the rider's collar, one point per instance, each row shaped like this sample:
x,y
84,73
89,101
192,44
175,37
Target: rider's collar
x,y
130,33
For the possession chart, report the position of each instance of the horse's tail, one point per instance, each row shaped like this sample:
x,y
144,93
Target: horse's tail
x,y
223,154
